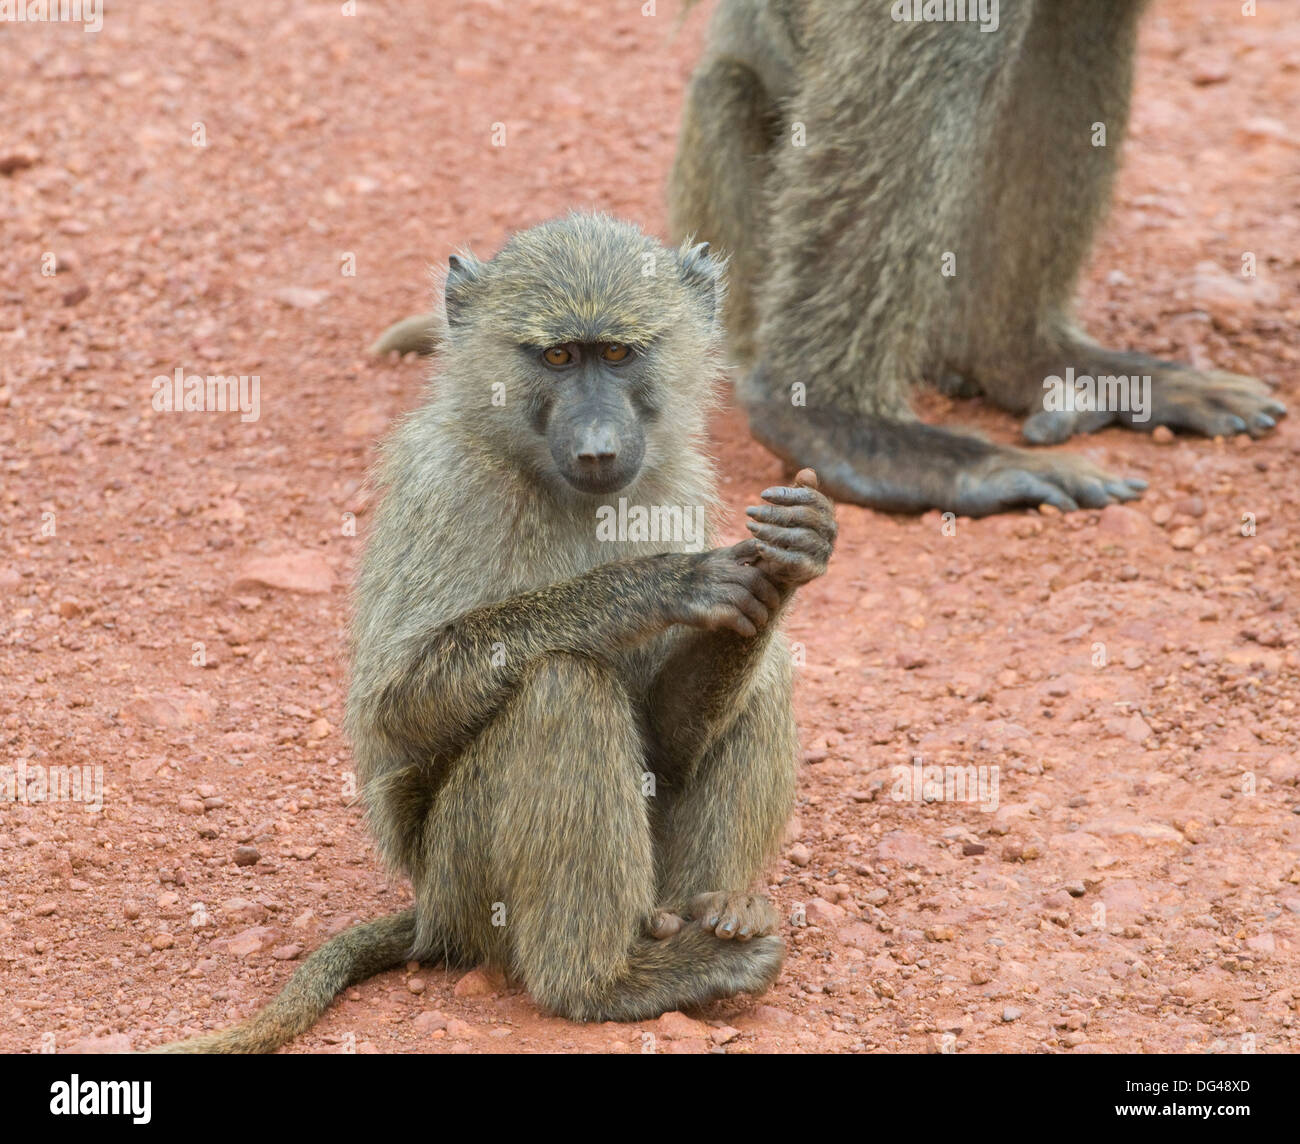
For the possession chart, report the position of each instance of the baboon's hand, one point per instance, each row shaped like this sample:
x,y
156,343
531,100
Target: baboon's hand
x,y
795,531
727,589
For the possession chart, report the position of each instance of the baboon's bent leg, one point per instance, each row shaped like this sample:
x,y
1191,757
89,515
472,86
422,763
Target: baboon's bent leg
x,y
1048,180
855,306
869,214
715,190
881,196
572,858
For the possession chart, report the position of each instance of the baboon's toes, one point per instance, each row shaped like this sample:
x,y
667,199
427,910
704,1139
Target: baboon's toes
x,y
1216,405
1015,478
733,915
1052,426
662,924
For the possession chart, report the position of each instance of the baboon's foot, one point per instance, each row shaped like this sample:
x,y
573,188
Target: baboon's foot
x,y
1140,392
906,466
663,924
730,914
688,969
1015,477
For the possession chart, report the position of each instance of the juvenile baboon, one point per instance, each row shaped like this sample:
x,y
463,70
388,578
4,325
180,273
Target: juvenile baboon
x,y
578,747
839,151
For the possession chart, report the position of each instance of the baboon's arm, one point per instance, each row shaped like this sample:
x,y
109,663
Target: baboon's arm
x,y
707,681
446,682
699,692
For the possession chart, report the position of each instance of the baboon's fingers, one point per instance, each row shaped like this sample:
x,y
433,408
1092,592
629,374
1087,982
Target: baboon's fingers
x,y
1009,488
1215,404
733,916
745,573
741,626
1091,487
799,516
808,518
791,539
759,586
1125,490
784,494
731,618
1025,488
791,567
752,609
1091,493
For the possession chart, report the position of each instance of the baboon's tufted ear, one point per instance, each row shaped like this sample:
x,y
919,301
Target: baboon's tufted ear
x,y
463,274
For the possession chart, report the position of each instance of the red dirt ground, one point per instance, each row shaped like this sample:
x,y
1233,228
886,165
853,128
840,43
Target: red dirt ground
x,y
1137,889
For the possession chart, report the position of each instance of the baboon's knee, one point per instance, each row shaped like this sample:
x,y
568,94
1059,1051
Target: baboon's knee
x,y
565,671
559,684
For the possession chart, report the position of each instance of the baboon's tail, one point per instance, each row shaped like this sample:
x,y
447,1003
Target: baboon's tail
x,y
352,956
415,335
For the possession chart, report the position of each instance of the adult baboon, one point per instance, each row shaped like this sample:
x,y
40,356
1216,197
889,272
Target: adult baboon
x,y
906,198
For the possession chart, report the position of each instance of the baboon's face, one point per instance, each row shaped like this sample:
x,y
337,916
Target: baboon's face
x,y
590,400
595,342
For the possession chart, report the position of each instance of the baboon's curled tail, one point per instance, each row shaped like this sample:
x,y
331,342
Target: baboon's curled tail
x,y
352,956
415,335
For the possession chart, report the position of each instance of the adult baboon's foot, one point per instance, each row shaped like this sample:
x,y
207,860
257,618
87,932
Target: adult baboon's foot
x,y
906,466
1095,387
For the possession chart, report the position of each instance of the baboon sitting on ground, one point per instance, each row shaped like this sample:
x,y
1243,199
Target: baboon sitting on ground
x,y
578,747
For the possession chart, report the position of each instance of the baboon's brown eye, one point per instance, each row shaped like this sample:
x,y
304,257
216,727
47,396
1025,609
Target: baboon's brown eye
x,y
557,355
615,351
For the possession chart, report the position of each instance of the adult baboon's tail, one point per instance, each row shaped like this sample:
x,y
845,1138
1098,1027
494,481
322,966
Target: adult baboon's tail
x,y
352,956
415,335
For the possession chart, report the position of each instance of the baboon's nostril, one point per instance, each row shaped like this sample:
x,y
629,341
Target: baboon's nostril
x,y
597,445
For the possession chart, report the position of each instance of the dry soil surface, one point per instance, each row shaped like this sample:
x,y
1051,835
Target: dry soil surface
x,y
203,177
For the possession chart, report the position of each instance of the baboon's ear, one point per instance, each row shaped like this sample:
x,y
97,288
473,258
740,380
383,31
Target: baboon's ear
x,y
463,273
703,274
